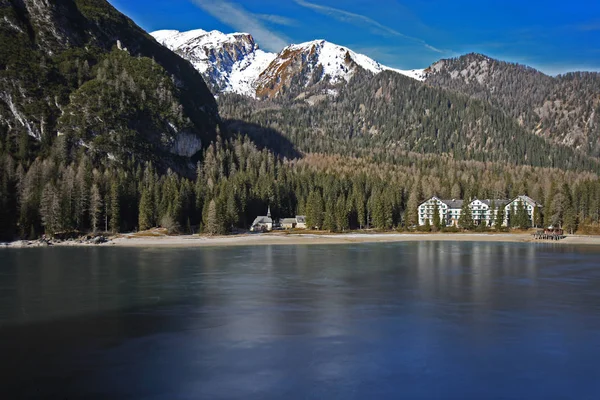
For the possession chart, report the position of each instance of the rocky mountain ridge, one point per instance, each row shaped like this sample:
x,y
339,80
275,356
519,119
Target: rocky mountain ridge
x,y
234,63
564,109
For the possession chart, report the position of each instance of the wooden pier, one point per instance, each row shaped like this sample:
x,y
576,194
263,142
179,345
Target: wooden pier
x,y
549,234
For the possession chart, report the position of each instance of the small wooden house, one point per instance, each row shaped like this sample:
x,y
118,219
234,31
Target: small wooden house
x,y
300,221
288,223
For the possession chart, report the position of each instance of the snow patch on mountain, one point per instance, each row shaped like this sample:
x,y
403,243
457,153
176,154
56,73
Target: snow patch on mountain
x,y
228,62
335,59
235,63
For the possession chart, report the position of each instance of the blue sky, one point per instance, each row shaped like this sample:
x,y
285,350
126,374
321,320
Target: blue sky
x,y
553,36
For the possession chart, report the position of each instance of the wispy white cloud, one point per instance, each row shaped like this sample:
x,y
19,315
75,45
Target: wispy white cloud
x,y
353,18
240,19
277,19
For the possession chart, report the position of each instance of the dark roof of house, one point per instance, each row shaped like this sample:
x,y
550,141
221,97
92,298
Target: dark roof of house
x,y
450,203
496,202
453,203
288,221
527,199
301,219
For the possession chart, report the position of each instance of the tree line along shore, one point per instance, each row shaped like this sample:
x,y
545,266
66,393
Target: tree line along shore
x,y
69,191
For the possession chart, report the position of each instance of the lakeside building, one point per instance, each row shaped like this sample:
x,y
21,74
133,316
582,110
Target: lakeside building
x,y
299,222
530,205
265,223
262,223
481,210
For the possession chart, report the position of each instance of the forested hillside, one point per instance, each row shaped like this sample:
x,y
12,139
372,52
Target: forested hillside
x,y
388,113
563,109
80,69
237,181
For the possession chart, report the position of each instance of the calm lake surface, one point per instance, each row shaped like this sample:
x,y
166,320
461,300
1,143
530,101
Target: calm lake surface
x,y
432,320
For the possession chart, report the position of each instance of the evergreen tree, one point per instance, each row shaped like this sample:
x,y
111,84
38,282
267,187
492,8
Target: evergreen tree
x,y
499,221
493,213
115,208
412,212
232,212
50,209
95,207
437,222
329,220
213,219
146,213
427,226
520,218
465,221
342,214
314,212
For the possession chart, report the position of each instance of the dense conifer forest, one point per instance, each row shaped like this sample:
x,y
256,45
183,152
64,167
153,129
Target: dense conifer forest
x,y
67,192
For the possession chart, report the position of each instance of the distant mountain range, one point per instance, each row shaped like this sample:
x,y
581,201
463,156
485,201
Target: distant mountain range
x,y
80,70
235,63
564,110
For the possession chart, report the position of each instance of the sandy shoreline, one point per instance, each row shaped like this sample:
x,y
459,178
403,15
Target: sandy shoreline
x,y
310,239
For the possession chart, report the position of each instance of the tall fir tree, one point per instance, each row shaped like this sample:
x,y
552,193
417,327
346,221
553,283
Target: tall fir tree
x,y
465,221
437,221
115,207
146,213
95,210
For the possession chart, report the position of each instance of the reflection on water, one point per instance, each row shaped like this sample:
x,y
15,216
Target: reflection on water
x,y
406,320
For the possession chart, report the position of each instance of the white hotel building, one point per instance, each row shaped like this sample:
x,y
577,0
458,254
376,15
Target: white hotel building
x,y
481,210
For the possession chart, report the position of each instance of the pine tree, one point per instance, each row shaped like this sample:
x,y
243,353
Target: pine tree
x,y
427,226
378,210
520,218
465,221
361,213
341,214
95,207
329,222
115,208
499,220
232,210
493,213
412,212
437,222
214,225
50,209
146,212
314,212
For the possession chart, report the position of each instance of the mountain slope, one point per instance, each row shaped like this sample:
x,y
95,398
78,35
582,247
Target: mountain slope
x,y
68,61
235,63
317,62
562,109
387,115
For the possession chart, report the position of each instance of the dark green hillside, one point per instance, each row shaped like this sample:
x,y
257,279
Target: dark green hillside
x,y
389,113
562,109
83,68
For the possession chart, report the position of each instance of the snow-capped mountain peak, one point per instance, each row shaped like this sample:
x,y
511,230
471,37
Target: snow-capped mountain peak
x,y
228,62
235,63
